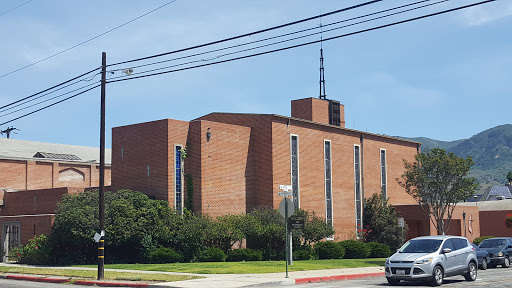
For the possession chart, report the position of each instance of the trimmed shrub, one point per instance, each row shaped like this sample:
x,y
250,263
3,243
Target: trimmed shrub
x,y
165,255
35,252
355,249
248,254
212,254
378,250
329,250
303,253
479,240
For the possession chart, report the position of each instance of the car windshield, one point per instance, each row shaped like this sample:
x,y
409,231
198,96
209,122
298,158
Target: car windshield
x,y
421,246
492,243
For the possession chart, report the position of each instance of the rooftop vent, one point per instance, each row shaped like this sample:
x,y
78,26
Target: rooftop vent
x,y
55,156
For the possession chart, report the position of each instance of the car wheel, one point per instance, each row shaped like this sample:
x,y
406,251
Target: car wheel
x,y
484,264
393,282
471,274
437,276
506,262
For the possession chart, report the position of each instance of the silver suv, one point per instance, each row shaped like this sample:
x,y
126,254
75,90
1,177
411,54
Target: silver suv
x,y
432,258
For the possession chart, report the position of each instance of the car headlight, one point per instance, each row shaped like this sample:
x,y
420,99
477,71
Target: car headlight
x,y
500,254
423,261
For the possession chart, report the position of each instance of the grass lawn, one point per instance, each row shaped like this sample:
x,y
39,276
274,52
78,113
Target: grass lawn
x,y
92,274
249,266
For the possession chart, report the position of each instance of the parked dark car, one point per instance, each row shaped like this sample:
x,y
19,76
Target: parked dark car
x,y
499,249
482,257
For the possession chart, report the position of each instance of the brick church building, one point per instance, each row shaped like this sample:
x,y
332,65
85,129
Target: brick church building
x,y
236,162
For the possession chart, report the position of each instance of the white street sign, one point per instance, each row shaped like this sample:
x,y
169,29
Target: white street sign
x,y
285,187
284,194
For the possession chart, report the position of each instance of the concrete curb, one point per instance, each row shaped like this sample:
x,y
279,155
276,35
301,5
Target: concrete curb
x,y
77,282
337,277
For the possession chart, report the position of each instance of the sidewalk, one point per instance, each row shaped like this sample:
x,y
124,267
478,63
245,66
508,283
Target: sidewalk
x,y
217,280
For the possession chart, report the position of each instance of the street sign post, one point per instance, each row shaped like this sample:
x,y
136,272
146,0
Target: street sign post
x,y
286,210
296,222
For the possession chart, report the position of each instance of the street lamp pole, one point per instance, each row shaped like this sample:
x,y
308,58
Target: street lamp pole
x,y
101,243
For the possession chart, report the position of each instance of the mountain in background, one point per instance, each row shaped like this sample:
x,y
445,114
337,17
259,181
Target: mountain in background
x,y
491,151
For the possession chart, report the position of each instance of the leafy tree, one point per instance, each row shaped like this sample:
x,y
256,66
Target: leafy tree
x,y
380,221
315,228
264,230
438,181
225,232
134,226
509,176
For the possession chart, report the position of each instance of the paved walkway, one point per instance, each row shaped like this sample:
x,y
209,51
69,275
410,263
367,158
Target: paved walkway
x,y
227,280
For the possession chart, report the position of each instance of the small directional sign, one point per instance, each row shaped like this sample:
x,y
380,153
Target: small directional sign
x,y
285,187
284,194
296,222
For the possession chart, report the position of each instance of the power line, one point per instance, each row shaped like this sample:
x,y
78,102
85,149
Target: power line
x,y
81,43
291,33
40,102
51,88
283,41
308,43
248,34
70,97
15,8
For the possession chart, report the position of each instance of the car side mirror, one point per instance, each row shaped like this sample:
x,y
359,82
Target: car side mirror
x,y
447,250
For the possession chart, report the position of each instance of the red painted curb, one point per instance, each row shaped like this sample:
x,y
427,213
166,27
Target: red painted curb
x,y
37,279
337,277
78,282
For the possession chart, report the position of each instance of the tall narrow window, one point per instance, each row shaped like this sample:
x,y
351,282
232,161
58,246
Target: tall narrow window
x,y
178,191
328,183
357,186
383,176
294,150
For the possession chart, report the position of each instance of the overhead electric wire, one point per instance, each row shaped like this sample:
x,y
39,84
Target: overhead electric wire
x,y
15,7
44,101
288,34
83,42
287,40
46,94
248,34
51,88
70,97
308,43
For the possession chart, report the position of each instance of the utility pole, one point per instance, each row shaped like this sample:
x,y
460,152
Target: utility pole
x,y
101,243
8,131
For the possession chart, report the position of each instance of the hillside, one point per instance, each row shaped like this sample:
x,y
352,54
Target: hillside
x,y
491,151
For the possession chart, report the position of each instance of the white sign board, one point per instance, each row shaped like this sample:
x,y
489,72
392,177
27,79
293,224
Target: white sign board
x,y
401,222
285,187
284,194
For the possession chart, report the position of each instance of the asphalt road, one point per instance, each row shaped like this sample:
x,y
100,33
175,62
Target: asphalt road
x,y
490,278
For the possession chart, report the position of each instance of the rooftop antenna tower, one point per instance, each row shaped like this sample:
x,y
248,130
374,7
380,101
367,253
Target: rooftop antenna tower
x,y
322,95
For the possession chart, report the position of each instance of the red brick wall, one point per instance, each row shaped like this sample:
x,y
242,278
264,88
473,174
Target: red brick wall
x,y
492,223
312,109
224,168
144,144
396,151
30,174
258,174
30,208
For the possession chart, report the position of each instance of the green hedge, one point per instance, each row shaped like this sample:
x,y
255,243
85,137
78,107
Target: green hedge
x,y
329,250
212,254
165,255
378,250
355,249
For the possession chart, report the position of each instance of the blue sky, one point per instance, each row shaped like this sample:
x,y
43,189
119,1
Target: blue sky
x,y
447,77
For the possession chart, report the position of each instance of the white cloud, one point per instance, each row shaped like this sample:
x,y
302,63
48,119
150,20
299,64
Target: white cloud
x,y
486,13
